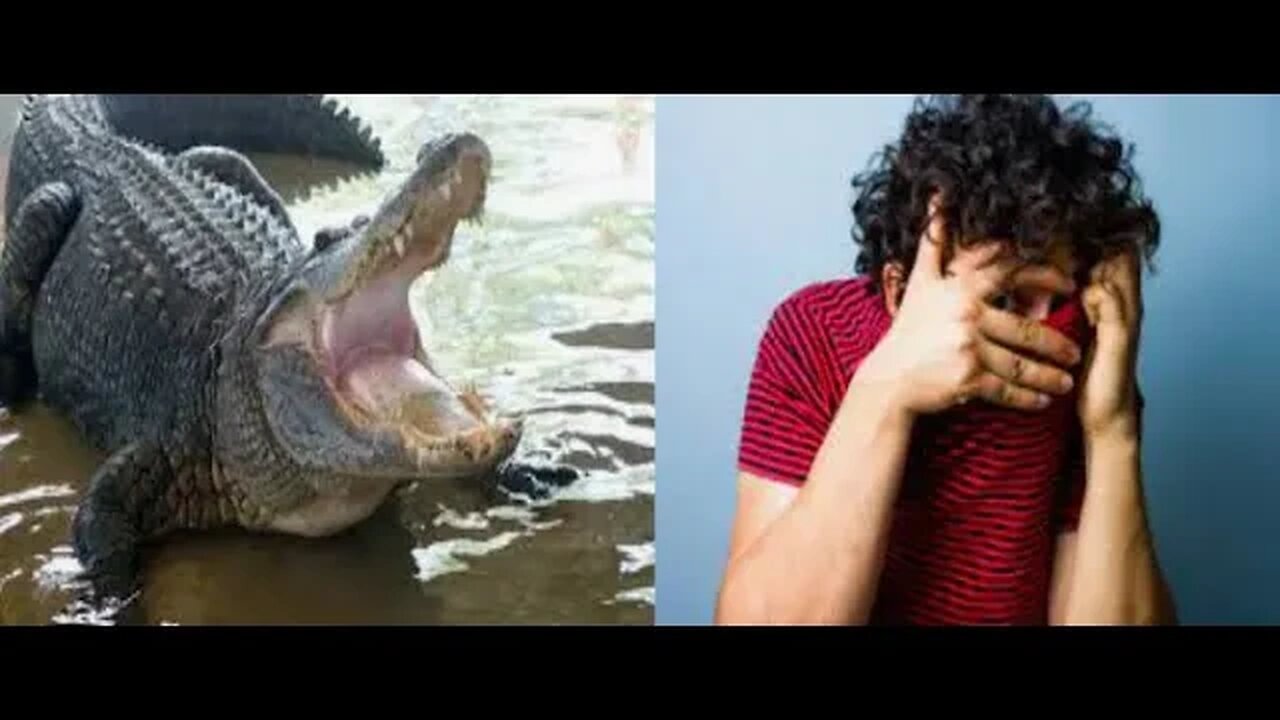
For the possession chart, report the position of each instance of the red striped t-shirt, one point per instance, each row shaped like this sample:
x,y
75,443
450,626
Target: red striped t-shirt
x,y
986,489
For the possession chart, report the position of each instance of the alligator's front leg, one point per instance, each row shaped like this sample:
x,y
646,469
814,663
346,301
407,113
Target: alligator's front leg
x,y
139,494
236,170
122,508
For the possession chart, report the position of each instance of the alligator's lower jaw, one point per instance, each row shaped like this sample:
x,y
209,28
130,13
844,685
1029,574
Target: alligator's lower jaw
x,y
462,454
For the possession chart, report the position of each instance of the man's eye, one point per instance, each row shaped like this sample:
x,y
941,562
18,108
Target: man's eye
x,y
1002,301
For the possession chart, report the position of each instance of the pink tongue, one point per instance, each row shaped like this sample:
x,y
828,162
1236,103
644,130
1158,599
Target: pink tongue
x,y
382,382
376,318
401,389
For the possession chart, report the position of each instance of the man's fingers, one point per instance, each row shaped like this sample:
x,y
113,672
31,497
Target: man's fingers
x,y
993,275
1122,272
999,391
977,259
928,262
1023,371
1043,277
1103,304
1021,333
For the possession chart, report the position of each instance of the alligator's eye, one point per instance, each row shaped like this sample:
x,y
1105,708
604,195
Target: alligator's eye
x,y
328,237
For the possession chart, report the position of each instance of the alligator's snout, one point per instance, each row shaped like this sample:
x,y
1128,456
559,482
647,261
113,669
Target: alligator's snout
x,y
453,148
413,229
457,167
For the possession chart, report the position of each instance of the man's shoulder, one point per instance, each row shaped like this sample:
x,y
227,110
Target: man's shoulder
x,y
830,307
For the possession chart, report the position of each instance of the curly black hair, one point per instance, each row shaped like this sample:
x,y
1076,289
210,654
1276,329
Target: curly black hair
x,y
1015,168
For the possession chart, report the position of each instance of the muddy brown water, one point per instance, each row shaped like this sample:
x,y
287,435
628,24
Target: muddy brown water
x,y
547,307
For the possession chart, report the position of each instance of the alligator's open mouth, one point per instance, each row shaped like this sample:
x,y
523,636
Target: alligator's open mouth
x,y
366,341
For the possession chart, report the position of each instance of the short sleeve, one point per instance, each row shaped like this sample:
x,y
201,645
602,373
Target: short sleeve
x,y
787,412
1071,499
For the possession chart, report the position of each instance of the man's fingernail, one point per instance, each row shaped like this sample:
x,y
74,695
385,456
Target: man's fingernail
x,y
1066,383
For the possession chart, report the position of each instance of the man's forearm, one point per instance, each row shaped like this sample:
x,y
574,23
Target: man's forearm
x,y
820,561
1115,578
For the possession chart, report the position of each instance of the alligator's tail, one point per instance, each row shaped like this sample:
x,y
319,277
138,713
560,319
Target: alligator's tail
x,y
288,124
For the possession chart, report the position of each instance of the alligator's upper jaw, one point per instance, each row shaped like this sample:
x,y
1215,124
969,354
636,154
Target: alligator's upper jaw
x,y
413,230
367,340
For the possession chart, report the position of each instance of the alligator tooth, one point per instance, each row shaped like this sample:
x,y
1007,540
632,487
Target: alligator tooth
x,y
399,243
446,192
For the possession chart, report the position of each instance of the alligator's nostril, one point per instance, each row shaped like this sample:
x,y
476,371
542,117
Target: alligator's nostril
x,y
447,149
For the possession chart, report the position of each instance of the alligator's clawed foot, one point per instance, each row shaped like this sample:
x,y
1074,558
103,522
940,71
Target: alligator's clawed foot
x,y
535,479
101,601
111,585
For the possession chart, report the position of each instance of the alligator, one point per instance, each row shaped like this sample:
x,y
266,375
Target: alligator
x,y
155,291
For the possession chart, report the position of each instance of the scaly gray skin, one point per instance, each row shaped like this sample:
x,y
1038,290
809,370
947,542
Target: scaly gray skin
x,y
158,295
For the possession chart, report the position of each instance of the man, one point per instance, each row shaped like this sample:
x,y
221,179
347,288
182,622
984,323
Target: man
x,y
953,436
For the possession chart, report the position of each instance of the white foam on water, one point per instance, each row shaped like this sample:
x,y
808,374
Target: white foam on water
x,y
523,515
11,576
8,438
80,613
644,595
450,517
443,557
635,558
10,521
540,526
618,486
58,571
514,513
39,492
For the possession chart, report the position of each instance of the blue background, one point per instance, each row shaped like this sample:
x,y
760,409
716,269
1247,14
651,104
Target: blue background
x,y
752,197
